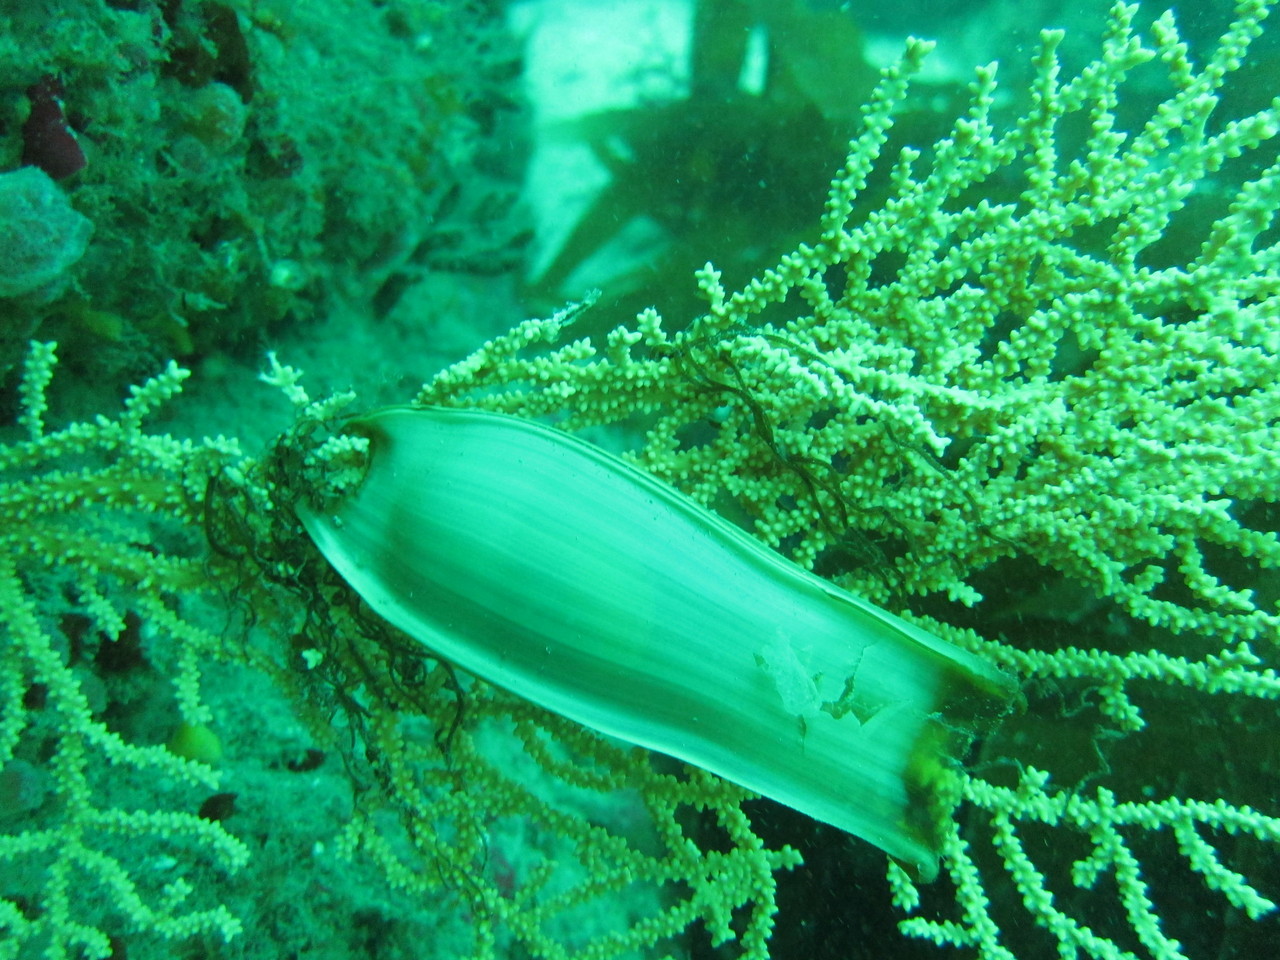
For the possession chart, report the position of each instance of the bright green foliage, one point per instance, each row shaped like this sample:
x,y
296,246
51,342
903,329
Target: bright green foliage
x,y
81,505
1032,397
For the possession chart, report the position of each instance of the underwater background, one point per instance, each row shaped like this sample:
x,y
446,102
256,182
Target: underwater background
x,y
204,753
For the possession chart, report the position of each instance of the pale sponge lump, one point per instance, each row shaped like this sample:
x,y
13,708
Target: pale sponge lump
x,y
41,234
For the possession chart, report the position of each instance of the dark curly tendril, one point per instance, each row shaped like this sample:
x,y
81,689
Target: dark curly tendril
x,y
269,546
